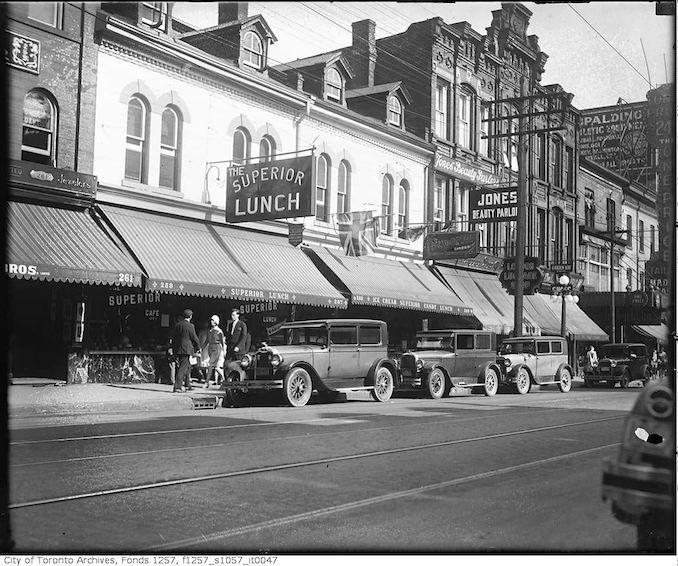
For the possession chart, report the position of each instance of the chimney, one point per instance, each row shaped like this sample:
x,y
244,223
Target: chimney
x,y
232,11
364,48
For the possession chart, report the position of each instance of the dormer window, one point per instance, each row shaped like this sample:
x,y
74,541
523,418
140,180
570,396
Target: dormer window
x,y
154,14
334,85
395,111
253,50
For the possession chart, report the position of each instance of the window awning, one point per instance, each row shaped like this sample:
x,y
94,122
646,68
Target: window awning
x,y
191,257
491,304
389,283
548,312
68,245
658,332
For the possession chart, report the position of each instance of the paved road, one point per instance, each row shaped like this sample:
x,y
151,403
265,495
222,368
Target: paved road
x,y
468,474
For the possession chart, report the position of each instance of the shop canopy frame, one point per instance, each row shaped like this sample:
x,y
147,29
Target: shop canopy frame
x,y
657,332
184,256
579,326
69,245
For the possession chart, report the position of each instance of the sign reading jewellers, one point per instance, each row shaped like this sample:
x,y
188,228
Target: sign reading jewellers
x,y
266,191
493,205
35,174
465,171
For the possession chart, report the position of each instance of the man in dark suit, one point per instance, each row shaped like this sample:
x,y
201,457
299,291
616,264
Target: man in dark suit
x,y
184,344
237,336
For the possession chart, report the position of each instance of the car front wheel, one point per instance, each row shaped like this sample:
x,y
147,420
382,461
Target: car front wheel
x,y
523,383
383,385
297,387
436,384
491,382
565,382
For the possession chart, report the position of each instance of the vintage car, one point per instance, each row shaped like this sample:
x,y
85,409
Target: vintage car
x,y
621,363
640,481
444,359
539,360
329,356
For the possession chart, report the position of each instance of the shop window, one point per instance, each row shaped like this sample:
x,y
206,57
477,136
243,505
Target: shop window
x,y
344,187
387,205
48,13
322,188
241,146
154,14
253,50
441,109
403,204
395,111
334,85
38,139
170,140
465,112
266,149
136,150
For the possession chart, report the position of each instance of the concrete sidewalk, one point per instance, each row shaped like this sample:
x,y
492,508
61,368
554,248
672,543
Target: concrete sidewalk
x,y
34,397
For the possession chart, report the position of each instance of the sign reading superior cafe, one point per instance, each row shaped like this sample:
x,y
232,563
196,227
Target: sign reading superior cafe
x,y
270,190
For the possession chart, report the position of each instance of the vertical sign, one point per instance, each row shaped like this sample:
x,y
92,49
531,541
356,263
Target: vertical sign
x,y
23,52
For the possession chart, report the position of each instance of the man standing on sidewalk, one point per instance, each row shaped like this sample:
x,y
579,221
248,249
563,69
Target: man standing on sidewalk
x,y
184,344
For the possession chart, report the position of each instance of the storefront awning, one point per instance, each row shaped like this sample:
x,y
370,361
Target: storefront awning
x,y
658,332
62,244
491,304
390,283
548,312
190,257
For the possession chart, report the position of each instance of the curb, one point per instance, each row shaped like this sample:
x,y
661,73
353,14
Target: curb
x,y
180,403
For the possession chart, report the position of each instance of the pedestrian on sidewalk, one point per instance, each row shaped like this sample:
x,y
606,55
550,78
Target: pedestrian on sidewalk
x,y
216,349
592,360
237,336
184,344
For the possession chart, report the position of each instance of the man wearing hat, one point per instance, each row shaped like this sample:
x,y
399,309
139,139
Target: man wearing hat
x,y
237,336
184,343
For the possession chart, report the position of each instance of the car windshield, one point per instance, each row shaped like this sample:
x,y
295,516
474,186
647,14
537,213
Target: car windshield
x,y
614,351
434,342
526,347
307,335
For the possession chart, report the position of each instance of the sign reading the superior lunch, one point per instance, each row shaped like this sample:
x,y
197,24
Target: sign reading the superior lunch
x,y
266,191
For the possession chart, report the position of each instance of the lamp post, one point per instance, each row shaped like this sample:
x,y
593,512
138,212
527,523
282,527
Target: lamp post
x,y
565,291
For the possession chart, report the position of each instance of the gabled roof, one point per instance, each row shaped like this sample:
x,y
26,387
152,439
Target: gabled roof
x,y
232,24
324,59
387,88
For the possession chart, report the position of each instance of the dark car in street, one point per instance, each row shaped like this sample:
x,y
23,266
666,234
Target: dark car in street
x,y
444,359
621,363
640,481
329,356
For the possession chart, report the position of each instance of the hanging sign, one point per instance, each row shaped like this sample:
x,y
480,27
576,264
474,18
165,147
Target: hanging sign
x,y
270,190
451,245
493,205
23,52
532,275
465,171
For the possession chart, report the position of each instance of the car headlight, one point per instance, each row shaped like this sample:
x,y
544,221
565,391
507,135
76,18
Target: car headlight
x,y
419,365
505,362
613,364
276,360
246,361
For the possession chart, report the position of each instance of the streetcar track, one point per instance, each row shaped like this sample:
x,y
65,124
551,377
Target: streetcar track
x,y
293,465
335,509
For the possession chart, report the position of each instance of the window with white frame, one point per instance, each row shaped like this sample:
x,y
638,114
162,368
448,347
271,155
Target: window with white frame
x,y
154,14
439,202
403,205
558,228
387,205
322,188
241,146
589,208
510,143
170,136
49,13
461,207
465,118
441,110
334,85
136,146
266,149
253,50
38,138
344,187
484,129
395,111
556,161
540,156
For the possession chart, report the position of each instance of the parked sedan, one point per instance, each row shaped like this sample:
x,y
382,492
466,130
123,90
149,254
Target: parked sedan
x,y
621,363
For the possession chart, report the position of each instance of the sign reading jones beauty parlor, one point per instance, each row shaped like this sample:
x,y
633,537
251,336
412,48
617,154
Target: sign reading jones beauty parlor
x,y
493,205
266,191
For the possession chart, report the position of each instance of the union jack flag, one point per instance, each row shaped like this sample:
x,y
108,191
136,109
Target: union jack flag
x,y
358,232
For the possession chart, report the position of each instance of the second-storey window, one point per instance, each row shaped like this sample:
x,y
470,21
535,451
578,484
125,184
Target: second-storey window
x,y
322,189
484,129
395,111
556,161
387,205
464,118
39,128
170,135
641,236
266,149
253,51
629,231
241,146
344,187
589,209
652,238
136,149
611,217
50,13
568,182
403,205
441,106
540,156
334,86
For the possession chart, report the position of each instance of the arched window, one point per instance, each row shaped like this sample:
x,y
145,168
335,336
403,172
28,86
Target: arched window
x,y
334,85
403,205
136,152
253,51
395,111
387,205
344,187
266,149
322,188
466,117
38,139
241,146
170,142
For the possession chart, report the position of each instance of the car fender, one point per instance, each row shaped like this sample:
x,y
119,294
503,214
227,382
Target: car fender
x,y
515,368
560,368
315,379
383,362
491,365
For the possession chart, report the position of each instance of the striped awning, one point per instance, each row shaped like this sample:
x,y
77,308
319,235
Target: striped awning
x,y
578,324
183,256
658,332
389,283
64,244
